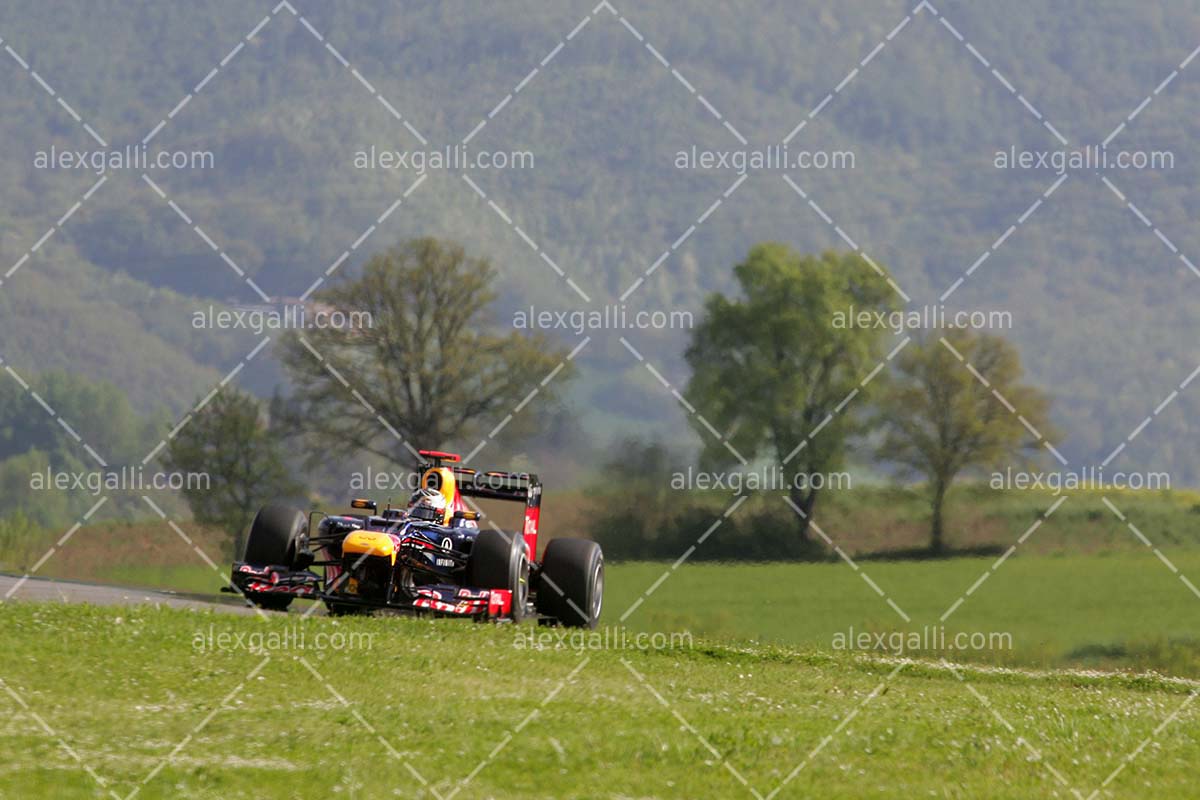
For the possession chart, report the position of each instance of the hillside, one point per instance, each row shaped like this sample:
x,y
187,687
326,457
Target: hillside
x,y
1100,303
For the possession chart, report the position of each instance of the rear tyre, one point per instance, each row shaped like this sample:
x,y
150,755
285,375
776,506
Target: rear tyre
x,y
571,584
499,561
272,542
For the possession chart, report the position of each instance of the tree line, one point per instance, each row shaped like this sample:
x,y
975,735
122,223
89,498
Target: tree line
x,y
773,381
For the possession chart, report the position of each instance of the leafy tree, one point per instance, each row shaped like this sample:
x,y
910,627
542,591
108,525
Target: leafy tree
x,y
43,504
939,419
97,410
17,533
230,441
35,445
631,517
427,365
770,367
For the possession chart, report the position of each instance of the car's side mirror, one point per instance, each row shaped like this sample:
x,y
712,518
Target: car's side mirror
x,y
365,505
467,515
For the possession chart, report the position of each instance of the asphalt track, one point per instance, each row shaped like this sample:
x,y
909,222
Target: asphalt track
x,y
31,589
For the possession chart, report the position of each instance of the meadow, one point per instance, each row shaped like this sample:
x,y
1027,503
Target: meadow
x,y
109,701
1117,611
753,682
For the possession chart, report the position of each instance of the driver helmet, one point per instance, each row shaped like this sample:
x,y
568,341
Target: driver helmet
x,y
428,505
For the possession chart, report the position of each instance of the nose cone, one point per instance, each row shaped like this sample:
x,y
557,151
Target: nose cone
x,y
370,543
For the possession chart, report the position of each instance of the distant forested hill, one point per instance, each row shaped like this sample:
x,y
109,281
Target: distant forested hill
x,y
1104,312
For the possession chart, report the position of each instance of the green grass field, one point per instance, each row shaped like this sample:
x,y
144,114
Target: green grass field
x,y
1122,610
756,687
143,705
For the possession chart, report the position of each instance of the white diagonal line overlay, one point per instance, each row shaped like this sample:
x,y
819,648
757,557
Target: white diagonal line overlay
x,y
846,720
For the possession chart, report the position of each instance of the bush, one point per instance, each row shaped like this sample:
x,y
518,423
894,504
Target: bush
x,y
637,533
19,537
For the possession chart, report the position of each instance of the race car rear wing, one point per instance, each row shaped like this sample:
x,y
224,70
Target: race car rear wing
x,y
495,485
521,487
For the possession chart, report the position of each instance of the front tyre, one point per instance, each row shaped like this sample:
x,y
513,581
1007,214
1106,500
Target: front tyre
x,y
272,602
273,541
345,610
571,584
499,561
274,535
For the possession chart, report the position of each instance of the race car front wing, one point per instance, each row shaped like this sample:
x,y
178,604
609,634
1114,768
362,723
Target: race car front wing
x,y
250,580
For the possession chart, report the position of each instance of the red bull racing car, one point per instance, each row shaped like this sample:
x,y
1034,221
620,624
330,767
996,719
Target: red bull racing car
x,y
431,556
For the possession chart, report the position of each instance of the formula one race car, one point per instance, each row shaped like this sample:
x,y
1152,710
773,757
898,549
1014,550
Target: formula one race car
x,y
431,556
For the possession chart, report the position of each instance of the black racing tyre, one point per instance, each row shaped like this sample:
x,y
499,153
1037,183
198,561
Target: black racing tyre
x,y
272,542
272,602
273,536
499,561
345,610
571,585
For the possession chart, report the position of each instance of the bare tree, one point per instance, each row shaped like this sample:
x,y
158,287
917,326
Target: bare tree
x,y
427,371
